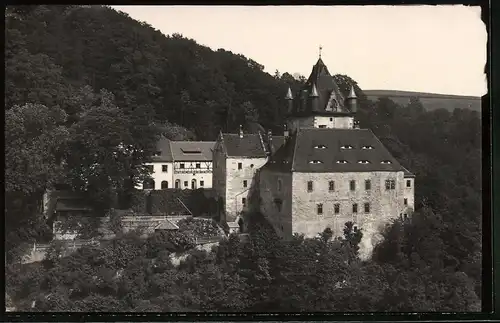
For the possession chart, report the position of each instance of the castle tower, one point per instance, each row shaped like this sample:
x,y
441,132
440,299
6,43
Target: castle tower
x,y
321,104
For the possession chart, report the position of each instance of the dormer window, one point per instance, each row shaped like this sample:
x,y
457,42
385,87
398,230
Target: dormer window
x,y
367,147
363,162
386,162
320,146
346,147
315,162
341,161
157,153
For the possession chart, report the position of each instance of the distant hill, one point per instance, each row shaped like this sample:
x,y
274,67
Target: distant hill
x,y
431,101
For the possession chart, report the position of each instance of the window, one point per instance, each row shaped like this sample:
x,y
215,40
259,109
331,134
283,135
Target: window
x,y
367,147
177,183
278,203
164,168
363,162
390,184
406,201
198,165
202,183
322,126
310,186
164,185
251,165
240,165
320,209
157,153
181,166
336,208
386,162
320,146
368,184
331,186
150,168
331,119
406,216
244,201
408,183
185,183
315,162
355,208
279,185
352,185
346,147
341,161
367,207
245,183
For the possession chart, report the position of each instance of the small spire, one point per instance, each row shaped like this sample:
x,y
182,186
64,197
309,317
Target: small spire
x,y
289,95
314,92
352,93
320,48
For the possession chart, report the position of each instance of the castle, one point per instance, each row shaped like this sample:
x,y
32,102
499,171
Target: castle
x,y
323,172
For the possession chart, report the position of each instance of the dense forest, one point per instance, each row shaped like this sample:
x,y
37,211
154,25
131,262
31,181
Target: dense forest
x,y
88,92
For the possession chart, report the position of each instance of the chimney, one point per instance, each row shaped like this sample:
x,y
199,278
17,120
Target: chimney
x,y
314,98
352,100
270,141
241,131
289,98
286,133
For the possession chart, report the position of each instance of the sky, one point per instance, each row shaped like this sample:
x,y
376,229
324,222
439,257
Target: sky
x,y
435,49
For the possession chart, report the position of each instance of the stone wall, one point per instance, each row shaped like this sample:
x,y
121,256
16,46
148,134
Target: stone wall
x,y
317,121
384,204
159,176
280,220
219,171
235,190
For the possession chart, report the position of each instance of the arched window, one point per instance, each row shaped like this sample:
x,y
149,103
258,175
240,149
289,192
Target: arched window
x,y
193,184
177,183
148,184
164,185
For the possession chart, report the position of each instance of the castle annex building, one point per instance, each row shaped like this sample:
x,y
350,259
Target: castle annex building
x,y
323,171
181,164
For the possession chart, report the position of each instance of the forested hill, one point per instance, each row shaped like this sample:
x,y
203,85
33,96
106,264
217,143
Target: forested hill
x,y
85,88
430,101
58,49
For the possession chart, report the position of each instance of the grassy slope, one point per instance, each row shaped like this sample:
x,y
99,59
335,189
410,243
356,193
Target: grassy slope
x,y
430,101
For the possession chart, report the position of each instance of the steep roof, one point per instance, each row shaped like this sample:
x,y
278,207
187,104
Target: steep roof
x,y
250,145
192,150
331,99
163,148
321,150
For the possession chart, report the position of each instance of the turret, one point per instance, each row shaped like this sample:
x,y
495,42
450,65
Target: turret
x,y
289,98
352,100
314,98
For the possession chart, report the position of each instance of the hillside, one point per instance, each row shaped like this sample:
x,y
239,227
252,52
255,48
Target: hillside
x,y
430,101
87,87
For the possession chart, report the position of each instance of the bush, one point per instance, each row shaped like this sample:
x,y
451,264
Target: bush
x,y
200,228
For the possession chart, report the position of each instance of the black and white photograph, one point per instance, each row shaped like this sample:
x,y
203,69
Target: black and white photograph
x,y
244,159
